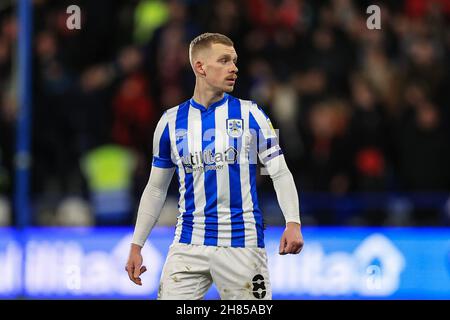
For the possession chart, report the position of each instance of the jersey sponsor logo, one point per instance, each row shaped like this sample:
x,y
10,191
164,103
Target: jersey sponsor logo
x,y
207,160
234,128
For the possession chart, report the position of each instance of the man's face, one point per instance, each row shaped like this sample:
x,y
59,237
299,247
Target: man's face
x,y
220,67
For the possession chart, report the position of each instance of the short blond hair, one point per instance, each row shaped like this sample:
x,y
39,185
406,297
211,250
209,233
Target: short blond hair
x,y
205,40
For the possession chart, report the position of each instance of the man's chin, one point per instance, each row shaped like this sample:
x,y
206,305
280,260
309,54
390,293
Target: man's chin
x,y
228,89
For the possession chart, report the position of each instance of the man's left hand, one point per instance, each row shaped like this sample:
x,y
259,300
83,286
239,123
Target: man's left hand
x,y
292,239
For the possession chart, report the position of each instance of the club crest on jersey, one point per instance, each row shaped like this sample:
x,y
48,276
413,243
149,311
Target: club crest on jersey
x,y
234,128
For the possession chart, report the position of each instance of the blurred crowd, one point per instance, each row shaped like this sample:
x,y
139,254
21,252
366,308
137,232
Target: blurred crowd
x,y
361,113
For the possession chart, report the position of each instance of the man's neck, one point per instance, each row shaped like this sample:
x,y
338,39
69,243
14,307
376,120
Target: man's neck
x,y
206,97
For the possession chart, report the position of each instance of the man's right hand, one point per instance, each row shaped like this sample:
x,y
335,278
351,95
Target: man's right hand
x,y
134,265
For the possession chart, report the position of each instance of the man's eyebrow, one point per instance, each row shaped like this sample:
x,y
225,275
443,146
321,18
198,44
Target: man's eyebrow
x,y
226,55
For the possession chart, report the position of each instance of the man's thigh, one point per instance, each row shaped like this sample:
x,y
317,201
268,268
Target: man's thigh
x,y
185,275
241,273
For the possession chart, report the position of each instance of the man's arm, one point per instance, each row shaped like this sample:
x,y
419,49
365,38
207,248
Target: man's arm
x,y
271,156
150,206
152,201
153,197
284,185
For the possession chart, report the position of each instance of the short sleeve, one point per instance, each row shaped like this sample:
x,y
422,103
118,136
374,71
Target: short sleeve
x,y
161,145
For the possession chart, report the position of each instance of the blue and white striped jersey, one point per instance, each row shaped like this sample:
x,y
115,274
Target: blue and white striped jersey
x,y
214,151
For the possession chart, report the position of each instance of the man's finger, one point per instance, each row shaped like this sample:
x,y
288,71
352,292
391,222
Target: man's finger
x,y
137,269
130,270
282,245
296,247
288,248
143,269
137,279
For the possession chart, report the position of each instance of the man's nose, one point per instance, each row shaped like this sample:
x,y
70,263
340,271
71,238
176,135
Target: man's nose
x,y
234,69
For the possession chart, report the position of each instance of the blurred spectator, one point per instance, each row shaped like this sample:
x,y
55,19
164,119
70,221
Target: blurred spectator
x,y
422,156
368,132
5,179
134,114
422,150
382,75
5,212
8,101
74,212
148,16
285,111
166,57
109,171
327,164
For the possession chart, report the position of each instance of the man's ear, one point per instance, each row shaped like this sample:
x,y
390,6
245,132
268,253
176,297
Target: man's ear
x,y
199,68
